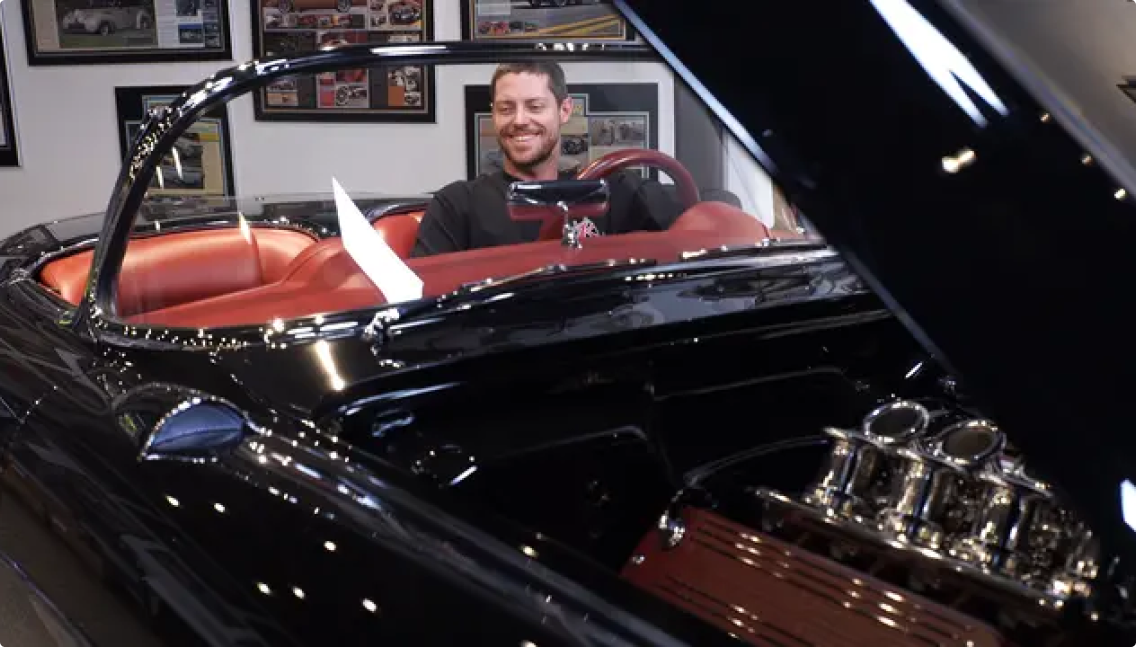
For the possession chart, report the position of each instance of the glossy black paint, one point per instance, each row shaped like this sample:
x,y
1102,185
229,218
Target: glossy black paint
x,y
1014,270
187,545
584,403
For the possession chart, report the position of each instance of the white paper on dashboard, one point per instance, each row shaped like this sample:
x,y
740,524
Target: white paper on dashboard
x,y
372,253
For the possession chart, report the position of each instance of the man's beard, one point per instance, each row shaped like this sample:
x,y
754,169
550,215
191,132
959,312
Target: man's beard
x,y
535,158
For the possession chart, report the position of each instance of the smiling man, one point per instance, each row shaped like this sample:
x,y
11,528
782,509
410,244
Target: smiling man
x,y
530,105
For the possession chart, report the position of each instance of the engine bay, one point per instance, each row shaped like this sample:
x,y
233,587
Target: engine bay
x,y
928,519
829,462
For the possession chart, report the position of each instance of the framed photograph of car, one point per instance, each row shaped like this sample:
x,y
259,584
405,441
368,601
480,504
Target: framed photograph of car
x,y
556,20
375,94
73,32
606,117
199,165
9,149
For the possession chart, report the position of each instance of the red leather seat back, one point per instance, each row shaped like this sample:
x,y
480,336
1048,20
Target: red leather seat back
x,y
720,218
400,231
169,269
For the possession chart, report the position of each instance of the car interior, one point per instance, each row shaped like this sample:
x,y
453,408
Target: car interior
x,y
249,275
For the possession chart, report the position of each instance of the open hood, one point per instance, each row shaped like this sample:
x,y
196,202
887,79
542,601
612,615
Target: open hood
x,y
989,215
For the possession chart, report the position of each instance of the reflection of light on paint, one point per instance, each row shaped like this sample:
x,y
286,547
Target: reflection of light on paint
x,y
323,352
243,224
177,164
1128,503
945,64
464,475
955,163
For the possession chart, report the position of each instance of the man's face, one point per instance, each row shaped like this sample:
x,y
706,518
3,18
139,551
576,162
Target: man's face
x,y
527,119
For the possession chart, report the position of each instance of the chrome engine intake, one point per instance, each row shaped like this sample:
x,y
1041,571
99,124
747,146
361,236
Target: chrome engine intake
x,y
948,488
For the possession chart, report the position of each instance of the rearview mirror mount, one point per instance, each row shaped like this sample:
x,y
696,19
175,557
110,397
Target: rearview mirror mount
x,y
559,204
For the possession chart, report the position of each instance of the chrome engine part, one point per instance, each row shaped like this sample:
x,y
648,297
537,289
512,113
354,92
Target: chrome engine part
x,y
948,488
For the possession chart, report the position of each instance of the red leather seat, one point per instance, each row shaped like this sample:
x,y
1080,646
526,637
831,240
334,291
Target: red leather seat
x,y
170,269
167,270
399,230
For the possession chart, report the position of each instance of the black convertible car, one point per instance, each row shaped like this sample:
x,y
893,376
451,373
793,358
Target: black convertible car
x,y
903,421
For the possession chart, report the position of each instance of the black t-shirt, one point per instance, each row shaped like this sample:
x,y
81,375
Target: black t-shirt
x,y
474,214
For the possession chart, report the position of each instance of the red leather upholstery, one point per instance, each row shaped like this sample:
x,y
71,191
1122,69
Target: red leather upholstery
x,y
324,279
721,218
220,278
172,269
400,230
166,270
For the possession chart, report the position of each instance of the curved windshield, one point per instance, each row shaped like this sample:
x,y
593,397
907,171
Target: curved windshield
x,y
363,187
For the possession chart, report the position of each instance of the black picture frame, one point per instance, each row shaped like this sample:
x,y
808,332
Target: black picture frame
x,y
198,30
1128,87
9,140
132,104
500,20
386,91
625,105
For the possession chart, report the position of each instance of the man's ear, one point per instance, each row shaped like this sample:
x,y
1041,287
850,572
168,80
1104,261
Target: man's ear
x,y
566,110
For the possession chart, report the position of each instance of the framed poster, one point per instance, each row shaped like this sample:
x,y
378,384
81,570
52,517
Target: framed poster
x,y
374,94
606,117
9,149
200,164
72,32
587,20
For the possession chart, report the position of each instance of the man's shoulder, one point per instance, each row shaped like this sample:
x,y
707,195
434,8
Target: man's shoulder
x,y
465,188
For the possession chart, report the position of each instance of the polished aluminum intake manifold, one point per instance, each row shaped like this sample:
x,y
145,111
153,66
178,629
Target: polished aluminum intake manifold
x,y
946,486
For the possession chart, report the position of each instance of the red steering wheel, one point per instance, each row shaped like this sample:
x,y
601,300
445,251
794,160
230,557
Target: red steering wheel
x,y
621,159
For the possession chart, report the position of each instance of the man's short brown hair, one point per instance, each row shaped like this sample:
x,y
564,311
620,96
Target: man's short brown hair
x,y
549,69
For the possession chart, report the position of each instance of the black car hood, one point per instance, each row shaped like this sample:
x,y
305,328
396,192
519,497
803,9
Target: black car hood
x,y
979,259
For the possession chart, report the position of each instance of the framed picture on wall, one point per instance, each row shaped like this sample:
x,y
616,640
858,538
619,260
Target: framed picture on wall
x,y
548,20
606,117
73,32
1128,87
200,164
374,94
9,149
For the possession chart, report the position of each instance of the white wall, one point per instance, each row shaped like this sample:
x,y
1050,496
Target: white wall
x,y
70,155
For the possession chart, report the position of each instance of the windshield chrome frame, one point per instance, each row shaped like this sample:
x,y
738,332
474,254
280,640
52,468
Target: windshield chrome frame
x,y
97,310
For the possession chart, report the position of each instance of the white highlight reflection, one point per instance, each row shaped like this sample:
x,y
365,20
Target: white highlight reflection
x,y
1128,503
939,57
